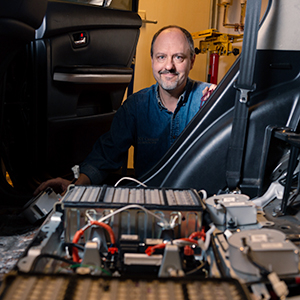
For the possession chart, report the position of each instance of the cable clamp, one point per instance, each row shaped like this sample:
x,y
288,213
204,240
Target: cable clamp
x,y
113,250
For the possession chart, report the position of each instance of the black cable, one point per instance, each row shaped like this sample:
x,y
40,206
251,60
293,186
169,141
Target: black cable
x,y
225,215
295,180
262,270
296,193
217,258
73,245
46,255
193,271
220,243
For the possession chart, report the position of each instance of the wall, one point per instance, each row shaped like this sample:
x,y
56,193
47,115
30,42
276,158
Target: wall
x,y
194,15
190,14
233,16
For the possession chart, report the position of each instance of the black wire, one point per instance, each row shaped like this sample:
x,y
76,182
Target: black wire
x,y
193,271
225,215
298,187
296,193
292,199
46,255
218,259
282,181
263,271
220,243
73,245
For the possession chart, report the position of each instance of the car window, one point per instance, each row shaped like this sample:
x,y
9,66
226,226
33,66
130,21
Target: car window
x,y
113,4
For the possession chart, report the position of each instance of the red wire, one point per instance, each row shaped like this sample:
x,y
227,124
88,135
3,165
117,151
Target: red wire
x,y
80,232
198,234
151,249
76,238
108,229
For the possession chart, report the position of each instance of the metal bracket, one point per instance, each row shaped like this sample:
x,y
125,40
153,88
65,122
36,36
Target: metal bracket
x,y
244,95
171,264
244,91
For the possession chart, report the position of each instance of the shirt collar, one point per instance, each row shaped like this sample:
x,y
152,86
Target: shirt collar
x,y
182,98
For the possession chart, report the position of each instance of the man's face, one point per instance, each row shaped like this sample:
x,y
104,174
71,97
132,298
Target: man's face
x,y
171,61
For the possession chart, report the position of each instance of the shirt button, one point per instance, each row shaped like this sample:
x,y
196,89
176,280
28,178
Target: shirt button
x,y
174,137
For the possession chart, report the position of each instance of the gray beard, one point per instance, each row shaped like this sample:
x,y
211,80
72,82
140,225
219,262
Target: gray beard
x,y
169,86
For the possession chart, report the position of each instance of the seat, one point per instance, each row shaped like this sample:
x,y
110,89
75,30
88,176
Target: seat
x,y
18,21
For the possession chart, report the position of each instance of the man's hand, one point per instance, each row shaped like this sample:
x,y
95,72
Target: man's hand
x,y
208,91
59,185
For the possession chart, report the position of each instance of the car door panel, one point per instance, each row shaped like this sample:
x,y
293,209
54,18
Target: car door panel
x,y
85,81
74,76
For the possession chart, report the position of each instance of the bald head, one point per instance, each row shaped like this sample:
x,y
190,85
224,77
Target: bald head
x,y
187,35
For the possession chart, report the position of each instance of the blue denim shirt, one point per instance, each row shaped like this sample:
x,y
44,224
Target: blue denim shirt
x,y
143,122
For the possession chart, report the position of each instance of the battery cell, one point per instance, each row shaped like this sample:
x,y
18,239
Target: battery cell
x,y
182,205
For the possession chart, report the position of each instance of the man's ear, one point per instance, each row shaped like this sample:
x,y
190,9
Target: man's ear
x,y
193,61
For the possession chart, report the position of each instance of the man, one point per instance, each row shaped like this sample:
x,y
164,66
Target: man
x,y
151,119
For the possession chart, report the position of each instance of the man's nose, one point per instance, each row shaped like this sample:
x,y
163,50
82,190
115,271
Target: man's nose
x,y
169,63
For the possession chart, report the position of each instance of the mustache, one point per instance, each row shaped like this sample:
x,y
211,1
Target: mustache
x,y
172,71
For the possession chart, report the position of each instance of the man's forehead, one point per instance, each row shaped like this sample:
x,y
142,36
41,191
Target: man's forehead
x,y
171,32
171,37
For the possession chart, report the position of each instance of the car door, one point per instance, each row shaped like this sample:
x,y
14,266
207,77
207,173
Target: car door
x,y
63,89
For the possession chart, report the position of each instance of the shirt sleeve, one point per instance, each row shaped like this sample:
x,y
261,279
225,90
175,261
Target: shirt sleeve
x,y
110,150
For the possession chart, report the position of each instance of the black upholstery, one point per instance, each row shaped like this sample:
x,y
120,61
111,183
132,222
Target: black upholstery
x,y
58,95
28,12
18,21
198,158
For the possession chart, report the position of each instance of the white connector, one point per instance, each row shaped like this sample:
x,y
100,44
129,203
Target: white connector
x,y
76,171
275,190
279,286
